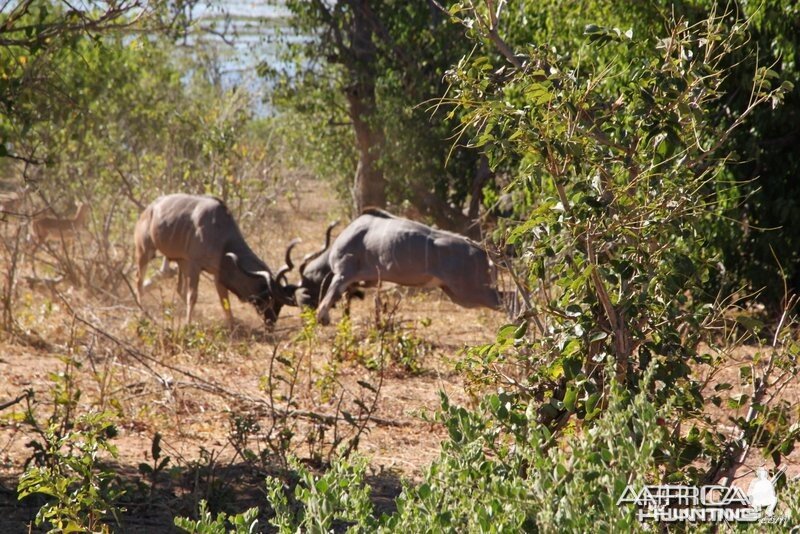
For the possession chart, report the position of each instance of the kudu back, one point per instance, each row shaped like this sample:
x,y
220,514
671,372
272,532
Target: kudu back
x,y
200,234
379,247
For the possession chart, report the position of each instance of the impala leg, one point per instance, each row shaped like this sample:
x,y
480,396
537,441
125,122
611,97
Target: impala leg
x,y
222,291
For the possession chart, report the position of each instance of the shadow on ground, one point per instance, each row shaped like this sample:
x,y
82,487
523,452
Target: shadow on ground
x,y
151,507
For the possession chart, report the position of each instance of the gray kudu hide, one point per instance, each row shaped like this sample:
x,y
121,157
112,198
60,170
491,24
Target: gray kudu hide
x,y
379,247
200,234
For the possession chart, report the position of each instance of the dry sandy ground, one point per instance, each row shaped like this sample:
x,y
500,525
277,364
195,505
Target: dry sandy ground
x,y
186,387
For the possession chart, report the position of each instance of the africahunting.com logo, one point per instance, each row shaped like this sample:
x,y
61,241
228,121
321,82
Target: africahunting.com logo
x,y
713,503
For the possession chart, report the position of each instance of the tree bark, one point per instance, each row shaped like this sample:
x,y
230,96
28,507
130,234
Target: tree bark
x,y
482,175
370,185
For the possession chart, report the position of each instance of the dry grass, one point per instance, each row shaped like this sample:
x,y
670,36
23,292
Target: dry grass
x,y
161,379
185,385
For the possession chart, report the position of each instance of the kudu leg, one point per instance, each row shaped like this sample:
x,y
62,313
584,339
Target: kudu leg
x,y
143,257
182,270
222,291
193,280
166,271
483,297
337,288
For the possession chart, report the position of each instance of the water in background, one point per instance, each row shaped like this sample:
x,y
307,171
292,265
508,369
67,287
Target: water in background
x,y
236,36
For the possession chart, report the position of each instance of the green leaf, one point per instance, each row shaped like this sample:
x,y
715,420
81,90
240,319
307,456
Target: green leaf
x,y
366,385
750,322
520,332
572,367
598,336
569,398
745,372
155,449
738,401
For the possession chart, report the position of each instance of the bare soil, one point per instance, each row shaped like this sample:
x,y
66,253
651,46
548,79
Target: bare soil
x,y
189,385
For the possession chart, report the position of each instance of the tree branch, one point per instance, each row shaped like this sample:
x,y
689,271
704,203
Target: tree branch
x,y
84,23
329,19
28,394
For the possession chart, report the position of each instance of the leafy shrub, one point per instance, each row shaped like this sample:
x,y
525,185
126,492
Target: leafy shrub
x,y
338,497
484,482
81,493
244,523
614,148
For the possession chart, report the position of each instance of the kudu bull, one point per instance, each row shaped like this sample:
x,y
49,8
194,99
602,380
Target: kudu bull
x,y
379,247
200,234
315,276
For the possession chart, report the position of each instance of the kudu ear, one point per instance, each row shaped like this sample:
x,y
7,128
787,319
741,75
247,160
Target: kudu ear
x,y
229,260
282,293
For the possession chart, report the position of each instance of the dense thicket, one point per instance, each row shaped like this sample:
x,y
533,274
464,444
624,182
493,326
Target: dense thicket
x,y
412,46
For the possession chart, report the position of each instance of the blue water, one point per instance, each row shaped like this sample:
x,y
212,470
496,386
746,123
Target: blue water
x,y
243,34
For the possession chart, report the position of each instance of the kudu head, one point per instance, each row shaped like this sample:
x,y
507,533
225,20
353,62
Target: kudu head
x,y
310,290
272,292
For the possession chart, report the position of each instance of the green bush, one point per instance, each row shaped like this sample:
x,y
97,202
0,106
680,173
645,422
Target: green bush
x,y
485,482
501,471
612,140
336,498
244,523
81,493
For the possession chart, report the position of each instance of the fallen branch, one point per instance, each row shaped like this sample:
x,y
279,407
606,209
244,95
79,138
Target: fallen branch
x,y
305,414
28,394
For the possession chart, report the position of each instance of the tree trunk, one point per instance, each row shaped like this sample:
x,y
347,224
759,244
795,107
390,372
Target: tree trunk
x,y
370,185
444,215
482,175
